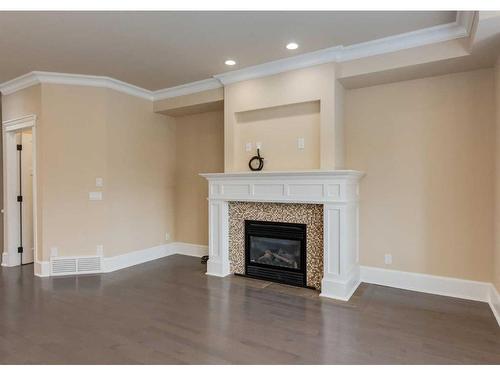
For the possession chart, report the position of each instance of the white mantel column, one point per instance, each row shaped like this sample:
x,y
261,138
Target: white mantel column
x,y
218,238
341,274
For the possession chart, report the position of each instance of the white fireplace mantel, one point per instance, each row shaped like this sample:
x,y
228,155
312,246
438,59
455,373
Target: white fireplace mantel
x,y
336,190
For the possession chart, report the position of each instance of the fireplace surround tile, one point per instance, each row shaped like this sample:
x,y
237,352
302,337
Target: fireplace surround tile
x,y
309,214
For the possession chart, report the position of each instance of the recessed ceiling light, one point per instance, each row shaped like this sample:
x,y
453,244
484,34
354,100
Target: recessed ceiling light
x,y
292,45
230,62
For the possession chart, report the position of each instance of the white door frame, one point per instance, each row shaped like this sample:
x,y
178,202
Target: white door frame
x,y
10,256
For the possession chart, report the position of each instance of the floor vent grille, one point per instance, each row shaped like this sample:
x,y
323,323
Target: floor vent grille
x,y
75,265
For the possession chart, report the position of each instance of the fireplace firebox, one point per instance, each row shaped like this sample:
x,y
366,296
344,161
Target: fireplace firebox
x,y
276,251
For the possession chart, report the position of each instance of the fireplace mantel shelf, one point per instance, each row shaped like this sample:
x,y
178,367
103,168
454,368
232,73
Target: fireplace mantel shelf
x,y
338,173
317,186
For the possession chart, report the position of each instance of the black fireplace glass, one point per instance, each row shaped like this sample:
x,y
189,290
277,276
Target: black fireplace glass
x,y
277,252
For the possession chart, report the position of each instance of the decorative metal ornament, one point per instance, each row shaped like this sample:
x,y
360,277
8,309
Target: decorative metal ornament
x,y
257,162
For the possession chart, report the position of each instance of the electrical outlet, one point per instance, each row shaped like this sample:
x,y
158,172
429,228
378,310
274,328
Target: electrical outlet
x,y
99,249
388,258
54,251
95,196
167,236
248,146
258,145
99,182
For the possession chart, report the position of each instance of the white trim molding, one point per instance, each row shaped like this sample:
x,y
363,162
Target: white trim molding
x,y
133,258
439,285
190,249
118,262
18,123
305,60
11,256
494,302
419,282
462,27
42,268
36,77
188,88
5,262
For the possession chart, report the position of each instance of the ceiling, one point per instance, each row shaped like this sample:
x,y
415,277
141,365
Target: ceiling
x,y
155,50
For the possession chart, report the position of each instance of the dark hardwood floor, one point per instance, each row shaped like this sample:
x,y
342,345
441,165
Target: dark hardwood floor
x,y
168,312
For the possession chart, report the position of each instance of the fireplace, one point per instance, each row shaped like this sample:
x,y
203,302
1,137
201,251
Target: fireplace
x,y
276,251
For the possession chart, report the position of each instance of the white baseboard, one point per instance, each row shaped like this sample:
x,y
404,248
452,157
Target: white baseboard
x,y
133,258
440,285
117,262
419,282
10,260
494,302
5,262
190,249
42,269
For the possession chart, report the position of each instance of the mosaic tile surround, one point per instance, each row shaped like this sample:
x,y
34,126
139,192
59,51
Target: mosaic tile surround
x,y
309,214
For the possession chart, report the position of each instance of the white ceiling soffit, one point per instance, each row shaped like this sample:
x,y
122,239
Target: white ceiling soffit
x,y
188,88
461,28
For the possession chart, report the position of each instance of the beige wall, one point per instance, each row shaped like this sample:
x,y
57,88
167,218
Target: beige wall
x,y
139,188
281,98
496,278
72,145
200,148
427,147
84,133
277,129
22,103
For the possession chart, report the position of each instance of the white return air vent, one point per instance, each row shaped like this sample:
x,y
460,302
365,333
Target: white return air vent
x,y
75,265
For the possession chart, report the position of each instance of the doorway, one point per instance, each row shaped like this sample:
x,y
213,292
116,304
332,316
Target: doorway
x,y
19,163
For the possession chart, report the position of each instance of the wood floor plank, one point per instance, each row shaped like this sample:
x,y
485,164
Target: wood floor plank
x,y
169,312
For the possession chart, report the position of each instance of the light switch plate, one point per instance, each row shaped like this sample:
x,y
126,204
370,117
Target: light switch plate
x,y
99,182
300,143
248,146
95,196
54,251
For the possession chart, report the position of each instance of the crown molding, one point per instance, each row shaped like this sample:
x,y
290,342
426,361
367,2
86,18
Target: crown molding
x,y
413,39
19,83
462,27
188,88
35,78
